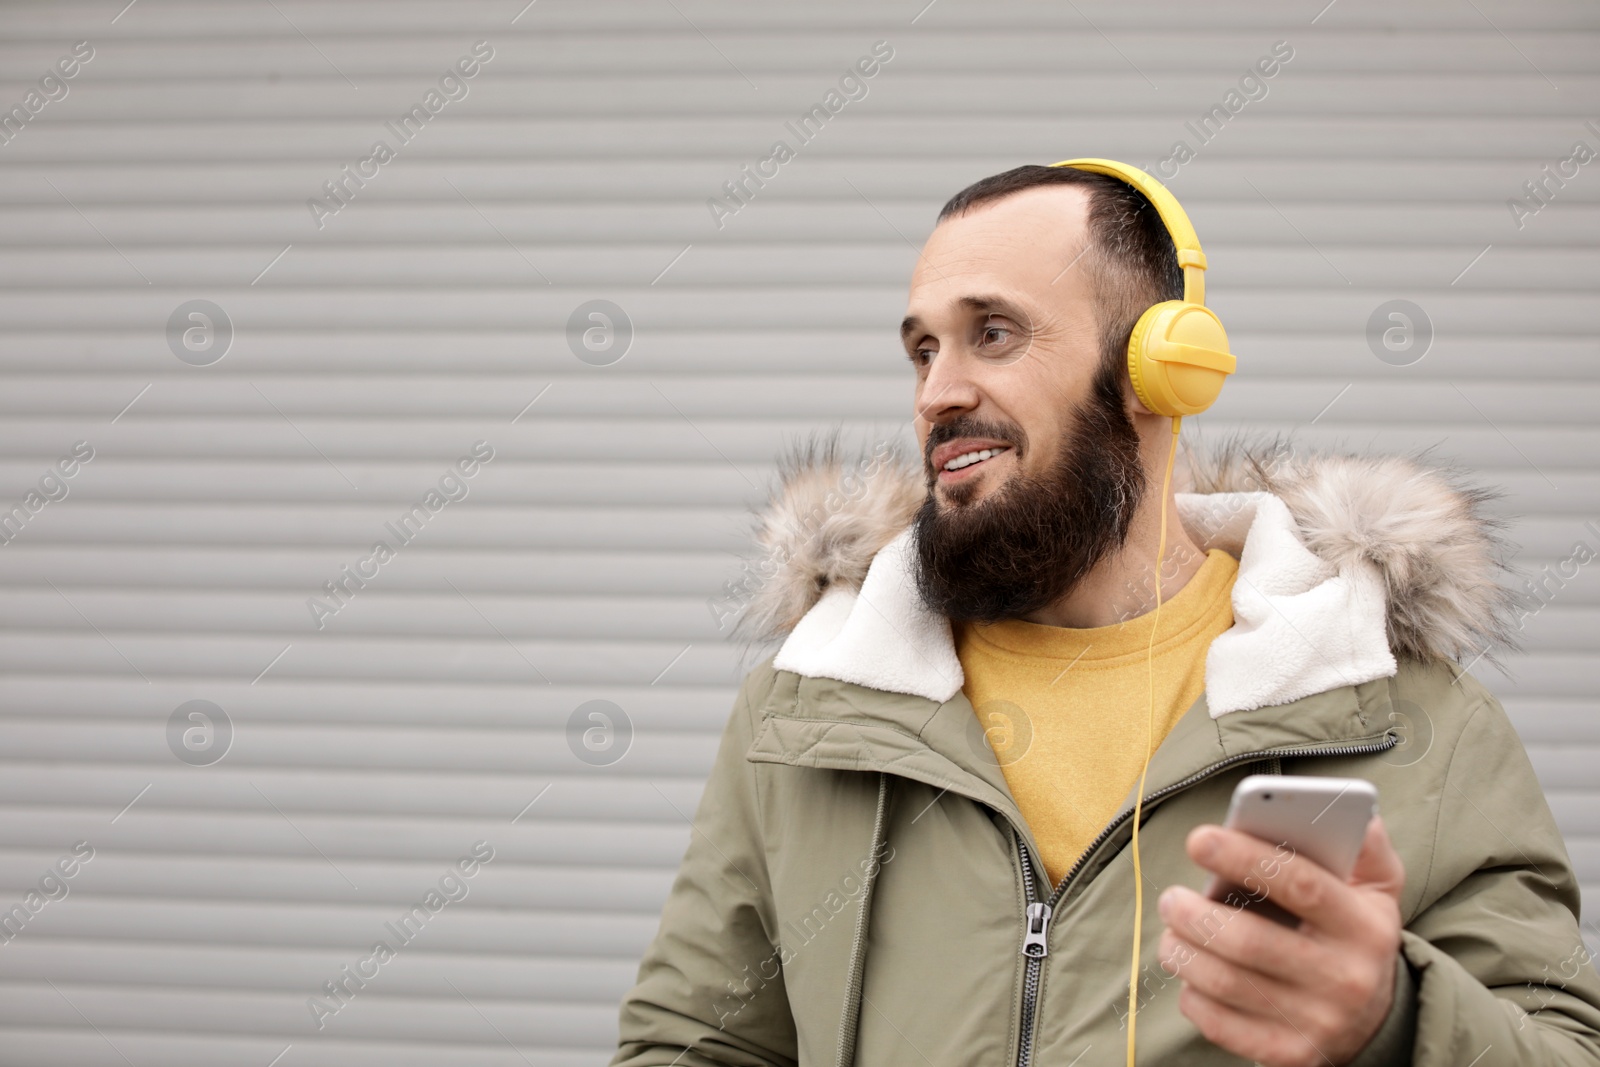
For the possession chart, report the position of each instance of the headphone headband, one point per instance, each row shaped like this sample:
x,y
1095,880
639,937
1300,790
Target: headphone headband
x,y
1184,239
1178,353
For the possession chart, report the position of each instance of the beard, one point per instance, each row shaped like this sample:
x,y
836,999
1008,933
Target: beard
x,y
1035,537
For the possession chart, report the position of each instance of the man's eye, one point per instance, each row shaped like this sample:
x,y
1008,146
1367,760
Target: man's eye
x,y
990,331
920,356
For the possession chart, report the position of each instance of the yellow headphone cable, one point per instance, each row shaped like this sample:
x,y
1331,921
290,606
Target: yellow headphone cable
x,y
1178,359
1150,731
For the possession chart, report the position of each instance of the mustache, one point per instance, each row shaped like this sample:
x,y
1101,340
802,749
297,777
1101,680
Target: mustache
x,y
973,427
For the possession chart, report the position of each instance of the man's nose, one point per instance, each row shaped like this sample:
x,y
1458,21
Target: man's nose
x,y
947,390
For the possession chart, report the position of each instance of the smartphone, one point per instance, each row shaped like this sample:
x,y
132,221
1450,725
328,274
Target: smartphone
x,y
1320,819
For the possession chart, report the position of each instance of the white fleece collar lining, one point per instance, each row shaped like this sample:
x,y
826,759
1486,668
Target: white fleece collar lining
x,y
1301,626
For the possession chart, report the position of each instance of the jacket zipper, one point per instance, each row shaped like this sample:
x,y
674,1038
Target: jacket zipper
x,y
1035,946
1036,924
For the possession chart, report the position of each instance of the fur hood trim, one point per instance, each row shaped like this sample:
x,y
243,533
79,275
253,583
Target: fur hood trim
x,y
1420,529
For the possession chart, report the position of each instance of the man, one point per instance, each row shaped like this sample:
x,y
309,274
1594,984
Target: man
x,y
950,738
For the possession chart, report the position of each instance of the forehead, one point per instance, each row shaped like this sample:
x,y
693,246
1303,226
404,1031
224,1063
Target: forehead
x,y
1022,241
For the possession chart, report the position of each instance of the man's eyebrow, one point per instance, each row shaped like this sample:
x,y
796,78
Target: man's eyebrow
x,y
986,303
993,305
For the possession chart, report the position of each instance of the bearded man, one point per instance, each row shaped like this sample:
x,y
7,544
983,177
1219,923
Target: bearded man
x,y
913,847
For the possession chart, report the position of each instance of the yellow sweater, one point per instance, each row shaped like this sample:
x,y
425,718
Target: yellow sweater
x,y
1066,710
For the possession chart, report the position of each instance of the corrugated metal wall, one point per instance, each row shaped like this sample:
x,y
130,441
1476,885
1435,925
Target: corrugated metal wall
x,y
373,347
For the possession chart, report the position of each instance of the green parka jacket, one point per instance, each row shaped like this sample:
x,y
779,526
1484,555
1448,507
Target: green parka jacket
x,y
861,888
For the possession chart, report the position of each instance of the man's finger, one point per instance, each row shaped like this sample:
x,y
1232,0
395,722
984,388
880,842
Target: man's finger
x,y
1227,983
1378,866
1294,882
1241,937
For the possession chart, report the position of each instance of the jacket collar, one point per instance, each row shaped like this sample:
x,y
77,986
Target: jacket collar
x,y
1300,625
1343,562
826,723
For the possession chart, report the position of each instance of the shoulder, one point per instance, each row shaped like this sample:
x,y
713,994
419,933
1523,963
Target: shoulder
x,y
1463,767
756,688
745,719
1442,703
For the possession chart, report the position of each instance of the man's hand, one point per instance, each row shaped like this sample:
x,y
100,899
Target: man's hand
x,y
1285,997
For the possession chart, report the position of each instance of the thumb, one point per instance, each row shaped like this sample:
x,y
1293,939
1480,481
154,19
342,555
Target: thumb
x,y
1378,865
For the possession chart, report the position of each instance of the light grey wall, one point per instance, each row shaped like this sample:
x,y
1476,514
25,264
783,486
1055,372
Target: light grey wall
x,y
430,313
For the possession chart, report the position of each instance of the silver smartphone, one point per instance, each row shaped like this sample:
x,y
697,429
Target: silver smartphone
x,y
1320,819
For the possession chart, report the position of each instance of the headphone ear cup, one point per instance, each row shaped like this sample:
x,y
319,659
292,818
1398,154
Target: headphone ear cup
x,y
1178,358
1143,371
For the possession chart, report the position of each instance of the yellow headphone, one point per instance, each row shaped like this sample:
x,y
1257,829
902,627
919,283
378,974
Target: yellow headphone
x,y
1178,354
1178,359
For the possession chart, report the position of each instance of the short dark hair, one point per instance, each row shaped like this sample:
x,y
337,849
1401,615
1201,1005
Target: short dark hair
x,y
1131,260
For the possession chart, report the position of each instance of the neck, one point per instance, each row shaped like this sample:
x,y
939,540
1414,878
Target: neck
x,y
1123,585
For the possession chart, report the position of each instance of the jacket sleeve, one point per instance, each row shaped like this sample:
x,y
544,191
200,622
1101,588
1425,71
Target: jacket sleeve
x,y
710,987
1493,966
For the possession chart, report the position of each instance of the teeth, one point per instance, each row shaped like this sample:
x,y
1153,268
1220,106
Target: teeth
x,y
967,459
